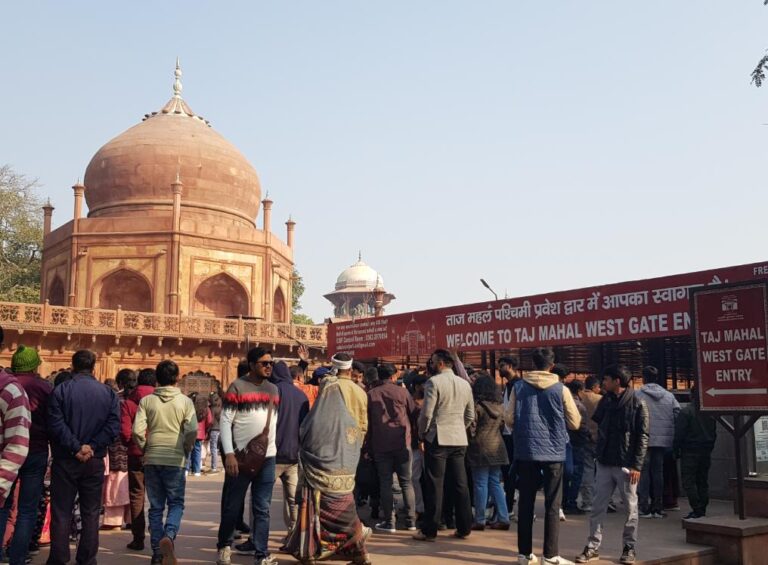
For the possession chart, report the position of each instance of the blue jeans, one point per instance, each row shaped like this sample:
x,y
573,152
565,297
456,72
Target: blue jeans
x,y
487,481
572,480
261,497
164,484
194,458
214,449
31,474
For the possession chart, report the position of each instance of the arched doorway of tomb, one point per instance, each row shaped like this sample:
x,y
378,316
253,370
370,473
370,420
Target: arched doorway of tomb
x,y
125,288
221,296
278,311
56,294
199,382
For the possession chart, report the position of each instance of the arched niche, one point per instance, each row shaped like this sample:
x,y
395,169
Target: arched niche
x,y
127,289
56,293
221,296
279,310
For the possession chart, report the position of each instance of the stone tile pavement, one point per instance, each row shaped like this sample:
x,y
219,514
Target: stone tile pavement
x,y
196,543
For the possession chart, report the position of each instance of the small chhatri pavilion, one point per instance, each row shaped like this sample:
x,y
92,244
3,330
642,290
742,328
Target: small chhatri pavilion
x,y
359,293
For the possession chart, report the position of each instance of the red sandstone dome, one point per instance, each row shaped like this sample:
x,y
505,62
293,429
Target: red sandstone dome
x,y
132,174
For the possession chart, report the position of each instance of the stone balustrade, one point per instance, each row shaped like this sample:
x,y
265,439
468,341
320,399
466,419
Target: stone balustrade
x,y
94,322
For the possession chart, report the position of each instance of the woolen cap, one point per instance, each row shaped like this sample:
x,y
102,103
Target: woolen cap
x,y
25,360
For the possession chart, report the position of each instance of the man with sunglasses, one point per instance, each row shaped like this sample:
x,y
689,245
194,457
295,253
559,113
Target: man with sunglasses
x,y
249,406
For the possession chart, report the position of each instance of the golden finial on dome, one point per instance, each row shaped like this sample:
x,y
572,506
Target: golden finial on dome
x,y
177,87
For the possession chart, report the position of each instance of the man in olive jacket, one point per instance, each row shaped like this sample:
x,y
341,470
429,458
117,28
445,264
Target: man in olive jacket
x,y
623,429
165,430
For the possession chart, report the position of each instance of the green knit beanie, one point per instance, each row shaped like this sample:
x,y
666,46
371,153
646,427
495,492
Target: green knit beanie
x,y
25,360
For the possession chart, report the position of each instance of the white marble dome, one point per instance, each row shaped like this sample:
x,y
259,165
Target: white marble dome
x,y
359,276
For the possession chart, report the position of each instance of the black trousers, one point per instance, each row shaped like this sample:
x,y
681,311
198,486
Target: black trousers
x,y
531,474
136,497
509,472
444,466
70,478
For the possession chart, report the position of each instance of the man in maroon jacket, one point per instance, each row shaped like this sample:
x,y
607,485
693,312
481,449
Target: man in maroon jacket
x,y
146,386
391,415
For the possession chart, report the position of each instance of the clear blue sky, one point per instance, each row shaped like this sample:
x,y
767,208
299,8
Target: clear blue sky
x,y
540,145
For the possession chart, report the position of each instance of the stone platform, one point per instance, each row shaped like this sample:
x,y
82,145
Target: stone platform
x,y
660,541
736,541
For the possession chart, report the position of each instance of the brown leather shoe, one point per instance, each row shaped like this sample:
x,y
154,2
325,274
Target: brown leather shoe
x,y
499,526
421,536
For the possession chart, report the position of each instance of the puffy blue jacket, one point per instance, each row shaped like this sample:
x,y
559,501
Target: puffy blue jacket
x,y
663,408
540,430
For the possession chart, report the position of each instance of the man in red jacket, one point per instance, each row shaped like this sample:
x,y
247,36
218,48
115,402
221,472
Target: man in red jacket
x,y
146,386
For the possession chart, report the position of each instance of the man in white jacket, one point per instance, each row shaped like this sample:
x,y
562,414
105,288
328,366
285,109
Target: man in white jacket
x,y
663,410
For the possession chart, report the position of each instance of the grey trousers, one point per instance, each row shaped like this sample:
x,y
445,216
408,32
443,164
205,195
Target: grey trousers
x,y
289,476
606,480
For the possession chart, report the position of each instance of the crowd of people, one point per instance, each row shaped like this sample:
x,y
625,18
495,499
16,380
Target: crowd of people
x,y
460,450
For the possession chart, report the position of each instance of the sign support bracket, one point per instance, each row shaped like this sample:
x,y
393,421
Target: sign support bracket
x,y
737,429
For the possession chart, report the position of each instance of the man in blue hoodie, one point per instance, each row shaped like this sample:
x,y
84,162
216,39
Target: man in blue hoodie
x,y
663,410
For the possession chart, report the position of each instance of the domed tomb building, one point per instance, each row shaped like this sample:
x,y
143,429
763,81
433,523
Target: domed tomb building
x,y
359,293
171,227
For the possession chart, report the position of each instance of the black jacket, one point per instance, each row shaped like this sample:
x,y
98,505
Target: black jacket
x,y
623,429
486,446
695,431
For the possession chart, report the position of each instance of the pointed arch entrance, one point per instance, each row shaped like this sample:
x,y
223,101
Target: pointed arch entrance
x,y
56,294
221,296
279,310
127,289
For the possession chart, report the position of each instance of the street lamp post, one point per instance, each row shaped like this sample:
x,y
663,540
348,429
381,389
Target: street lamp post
x,y
486,285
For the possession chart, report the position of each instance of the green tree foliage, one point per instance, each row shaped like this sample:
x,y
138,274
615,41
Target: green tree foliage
x,y
297,292
21,237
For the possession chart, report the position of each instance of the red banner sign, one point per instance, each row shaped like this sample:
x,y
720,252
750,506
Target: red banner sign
x,y
631,310
730,325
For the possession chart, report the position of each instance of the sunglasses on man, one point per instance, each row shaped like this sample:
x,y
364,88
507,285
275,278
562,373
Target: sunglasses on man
x,y
265,363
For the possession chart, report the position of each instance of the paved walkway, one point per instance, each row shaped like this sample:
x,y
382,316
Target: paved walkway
x,y
197,541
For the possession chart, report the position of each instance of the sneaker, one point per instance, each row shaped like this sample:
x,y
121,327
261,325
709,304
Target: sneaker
x,y
386,526
197,474
421,536
562,515
611,508
673,508
268,560
557,560
628,555
135,545
410,526
527,559
245,548
168,551
587,555
225,556
586,509
647,514
693,516
34,548
573,510
156,560
659,515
